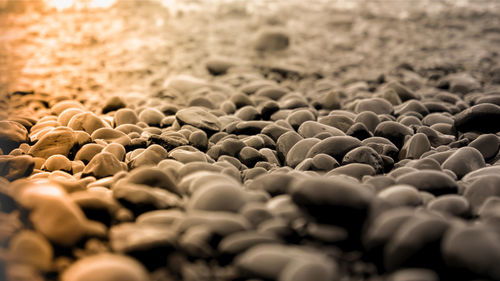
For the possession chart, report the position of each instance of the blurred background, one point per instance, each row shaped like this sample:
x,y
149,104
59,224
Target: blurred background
x,y
90,48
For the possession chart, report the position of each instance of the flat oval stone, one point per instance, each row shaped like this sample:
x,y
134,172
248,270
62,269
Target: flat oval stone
x,y
333,200
32,248
12,134
479,118
310,270
16,167
199,118
154,177
364,155
435,182
487,144
481,189
58,141
474,248
241,241
57,162
88,151
151,116
102,165
285,143
338,121
87,121
106,267
336,146
416,244
272,39
401,195
111,136
464,160
414,147
355,170
125,116
63,105
412,274
453,204
222,197
298,117
310,129
375,105
393,131
298,152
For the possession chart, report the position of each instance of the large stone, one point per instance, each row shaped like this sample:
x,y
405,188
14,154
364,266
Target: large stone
x,y
479,118
16,167
87,121
102,165
57,141
199,118
435,182
464,161
473,248
12,134
106,267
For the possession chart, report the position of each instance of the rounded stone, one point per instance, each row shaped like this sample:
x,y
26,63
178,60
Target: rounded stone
x,y
199,118
474,248
272,39
12,134
393,131
487,144
57,141
106,267
103,164
464,160
57,162
435,182
87,121
364,155
336,146
414,147
478,118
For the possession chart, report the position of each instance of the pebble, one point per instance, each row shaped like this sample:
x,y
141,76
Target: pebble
x,y
488,145
57,141
336,146
401,195
463,161
112,104
416,244
310,129
111,136
55,215
375,105
30,247
364,155
473,248
480,189
16,167
478,118
12,134
125,116
393,131
453,204
218,66
415,146
102,165
106,267
299,150
86,121
435,182
272,39
57,162
88,151
199,118
334,200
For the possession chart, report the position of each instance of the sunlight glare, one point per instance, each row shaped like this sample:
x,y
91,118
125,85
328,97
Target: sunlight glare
x,y
61,5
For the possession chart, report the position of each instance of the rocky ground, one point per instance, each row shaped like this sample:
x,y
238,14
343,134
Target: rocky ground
x,y
245,140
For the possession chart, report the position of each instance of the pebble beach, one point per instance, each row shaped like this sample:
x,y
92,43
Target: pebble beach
x,y
249,140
